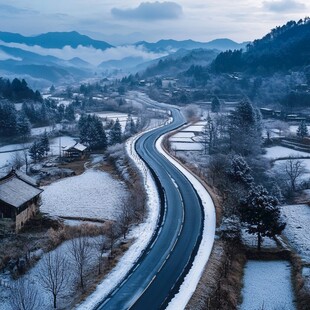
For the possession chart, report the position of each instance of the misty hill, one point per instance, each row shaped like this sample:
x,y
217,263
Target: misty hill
x,y
174,45
284,48
181,61
55,40
125,63
20,62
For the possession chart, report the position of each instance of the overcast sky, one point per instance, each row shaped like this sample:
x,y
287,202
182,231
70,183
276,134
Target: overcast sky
x,y
126,21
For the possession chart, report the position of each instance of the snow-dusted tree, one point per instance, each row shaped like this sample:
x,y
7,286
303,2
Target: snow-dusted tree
x,y
208,135
23,125
240,172
44,143
92,132
116,133
245,129
294,169
36,151
302,130
130,127
24,296
231,228
261,215
80,251
53,274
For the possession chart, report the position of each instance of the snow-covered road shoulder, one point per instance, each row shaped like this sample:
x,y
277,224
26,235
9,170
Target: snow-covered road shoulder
x,y
191,280
141,233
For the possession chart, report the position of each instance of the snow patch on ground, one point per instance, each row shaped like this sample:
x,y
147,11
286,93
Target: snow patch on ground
x,y
267,285
276,152
93,194
191,280
297,228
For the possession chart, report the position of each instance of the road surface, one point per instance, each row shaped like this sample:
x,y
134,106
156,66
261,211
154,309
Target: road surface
x,y
158,274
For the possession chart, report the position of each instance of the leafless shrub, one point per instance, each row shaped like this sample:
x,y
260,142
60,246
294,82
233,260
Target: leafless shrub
x,y
53,274
24,296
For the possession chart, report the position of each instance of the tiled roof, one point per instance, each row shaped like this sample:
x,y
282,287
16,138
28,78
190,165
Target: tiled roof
x,y
77,146
15,191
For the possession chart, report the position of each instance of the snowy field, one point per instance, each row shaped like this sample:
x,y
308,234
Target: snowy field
x,y
297,229
40,130
186,146
108,116
276,152
279,167
267,285
186,139
93,195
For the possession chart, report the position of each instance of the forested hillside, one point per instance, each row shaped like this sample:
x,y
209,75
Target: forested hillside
x,y
285,47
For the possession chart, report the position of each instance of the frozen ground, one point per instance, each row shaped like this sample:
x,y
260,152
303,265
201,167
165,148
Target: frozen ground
x,y
297,228
186,146
267,285
276,152
251,241
93,194
66,295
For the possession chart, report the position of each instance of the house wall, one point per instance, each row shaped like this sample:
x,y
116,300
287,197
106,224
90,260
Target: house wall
x,y
25,215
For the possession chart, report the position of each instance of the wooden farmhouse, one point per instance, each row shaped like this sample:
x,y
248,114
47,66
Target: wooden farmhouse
x,y
77,150
19,198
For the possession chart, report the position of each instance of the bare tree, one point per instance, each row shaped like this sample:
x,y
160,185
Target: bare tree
x,y
294,169
53,274
101,245
112,232
24,296
80,251
125,217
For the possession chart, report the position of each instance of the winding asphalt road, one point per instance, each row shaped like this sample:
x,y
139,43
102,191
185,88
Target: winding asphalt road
x,y
158,274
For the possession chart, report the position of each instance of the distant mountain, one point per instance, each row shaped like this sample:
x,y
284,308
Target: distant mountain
x,y
125,63
50,68
182,60
284,48
173,45
55,40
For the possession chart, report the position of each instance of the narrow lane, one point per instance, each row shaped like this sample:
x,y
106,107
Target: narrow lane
x,y
161,269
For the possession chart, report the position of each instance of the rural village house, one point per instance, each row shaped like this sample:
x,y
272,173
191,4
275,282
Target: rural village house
x,y
77,150
19,198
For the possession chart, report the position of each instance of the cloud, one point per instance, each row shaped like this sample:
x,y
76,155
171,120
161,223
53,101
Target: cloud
x,y
150,11
89,54
283,5
10,9
5,56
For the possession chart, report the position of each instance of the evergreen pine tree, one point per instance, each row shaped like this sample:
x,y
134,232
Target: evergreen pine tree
x,y
116,133
302,130
260,213
36,151
23,125
215,105
44,143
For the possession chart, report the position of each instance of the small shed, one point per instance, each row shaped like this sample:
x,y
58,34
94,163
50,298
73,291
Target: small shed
x,y
19,198
77,150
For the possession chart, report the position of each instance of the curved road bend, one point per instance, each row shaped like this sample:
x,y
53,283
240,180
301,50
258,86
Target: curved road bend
x,y
162,267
